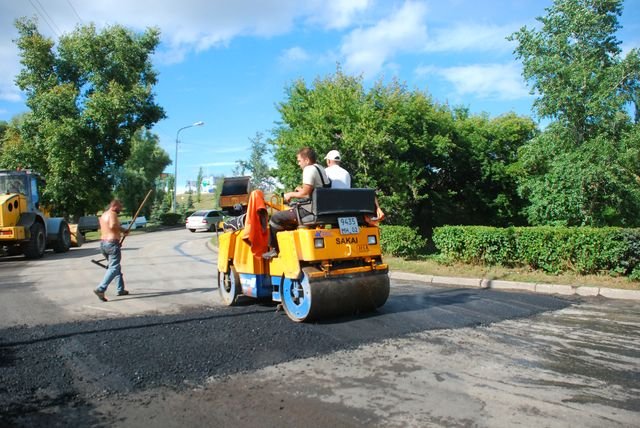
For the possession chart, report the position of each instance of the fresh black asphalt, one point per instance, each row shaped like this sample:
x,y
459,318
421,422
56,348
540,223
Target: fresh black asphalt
x,y
50,375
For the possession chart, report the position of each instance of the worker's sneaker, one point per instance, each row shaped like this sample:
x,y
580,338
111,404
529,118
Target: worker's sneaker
x,y
100,295
269,255
123,293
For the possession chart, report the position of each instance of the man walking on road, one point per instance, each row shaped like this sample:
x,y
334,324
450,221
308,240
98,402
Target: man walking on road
x,y
110,234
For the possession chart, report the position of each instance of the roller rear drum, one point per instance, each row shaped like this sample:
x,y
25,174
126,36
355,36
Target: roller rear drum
x,y
321,297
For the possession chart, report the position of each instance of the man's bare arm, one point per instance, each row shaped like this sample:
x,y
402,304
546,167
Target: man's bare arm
x,y
301,192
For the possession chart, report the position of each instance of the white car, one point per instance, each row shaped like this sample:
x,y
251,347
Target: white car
x,y
208,220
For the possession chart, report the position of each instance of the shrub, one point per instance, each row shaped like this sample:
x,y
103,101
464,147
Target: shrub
x,y
584,250
475,244
170,219
401,241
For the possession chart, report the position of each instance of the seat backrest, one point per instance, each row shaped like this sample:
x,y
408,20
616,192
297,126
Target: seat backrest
x,y
343,201
328,204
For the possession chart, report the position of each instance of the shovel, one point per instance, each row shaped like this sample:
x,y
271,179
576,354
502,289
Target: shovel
x,y
100,262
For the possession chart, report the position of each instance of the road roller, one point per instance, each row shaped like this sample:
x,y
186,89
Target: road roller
x,y
331,265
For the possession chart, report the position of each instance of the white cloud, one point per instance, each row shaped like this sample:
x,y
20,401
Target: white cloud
x,y
186,26
210,164
496,81
9,68
294,54
9,92
366,50
197,25
338,14
471,36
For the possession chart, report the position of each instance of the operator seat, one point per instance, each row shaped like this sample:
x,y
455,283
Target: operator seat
x,y
327,204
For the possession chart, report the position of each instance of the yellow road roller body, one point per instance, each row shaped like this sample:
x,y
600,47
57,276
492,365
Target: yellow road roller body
x,y
331,265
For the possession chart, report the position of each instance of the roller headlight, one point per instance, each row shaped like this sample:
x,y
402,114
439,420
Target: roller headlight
x,y
372,239
318,242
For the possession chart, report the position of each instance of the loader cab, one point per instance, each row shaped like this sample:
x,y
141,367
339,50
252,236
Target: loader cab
x,y
13,183
23,183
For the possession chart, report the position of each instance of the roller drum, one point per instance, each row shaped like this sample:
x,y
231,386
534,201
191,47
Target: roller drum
x,y
317,298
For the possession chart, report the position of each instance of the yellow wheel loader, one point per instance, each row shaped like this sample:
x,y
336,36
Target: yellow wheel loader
x,y
331,265
24,227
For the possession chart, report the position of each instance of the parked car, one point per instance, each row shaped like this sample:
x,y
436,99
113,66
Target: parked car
x,y
88,223
140,222
208,220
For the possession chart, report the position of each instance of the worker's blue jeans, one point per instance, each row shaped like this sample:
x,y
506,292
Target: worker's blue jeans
x,y
111,250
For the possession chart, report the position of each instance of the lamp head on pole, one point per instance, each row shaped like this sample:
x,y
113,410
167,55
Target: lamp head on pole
x,y
199,123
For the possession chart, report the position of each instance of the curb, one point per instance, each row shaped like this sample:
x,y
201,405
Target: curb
x,y
496,284
211,247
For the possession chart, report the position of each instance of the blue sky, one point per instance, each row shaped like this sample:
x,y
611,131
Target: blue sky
x,y
227,63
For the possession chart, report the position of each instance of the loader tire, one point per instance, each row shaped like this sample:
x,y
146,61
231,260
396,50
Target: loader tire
x,y
34,249
63,243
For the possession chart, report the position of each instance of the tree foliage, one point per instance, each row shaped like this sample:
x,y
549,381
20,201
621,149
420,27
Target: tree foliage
x,y
199,181
3,129
88,96
430,164
256,166
583,170
139,174
573,63
11,143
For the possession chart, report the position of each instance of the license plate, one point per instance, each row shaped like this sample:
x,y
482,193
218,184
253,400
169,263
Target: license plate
x,y
348,225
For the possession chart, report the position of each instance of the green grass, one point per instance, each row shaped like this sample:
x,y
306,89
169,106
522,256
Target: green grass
x,y
207,201
430,266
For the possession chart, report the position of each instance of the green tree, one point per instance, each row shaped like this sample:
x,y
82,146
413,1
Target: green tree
x,y
169,185
3,129
199,180
141,170
488,190
429,164
582,169
256,165
218,181
595,184
88,96
370,129
573,63
11,143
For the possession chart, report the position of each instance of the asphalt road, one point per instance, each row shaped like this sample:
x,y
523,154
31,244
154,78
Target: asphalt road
x,y
170,355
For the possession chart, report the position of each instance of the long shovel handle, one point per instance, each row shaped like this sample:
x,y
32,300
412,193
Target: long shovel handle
x,y
135,216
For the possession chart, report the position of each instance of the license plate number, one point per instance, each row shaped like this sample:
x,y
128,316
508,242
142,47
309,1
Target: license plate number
x,y
348,225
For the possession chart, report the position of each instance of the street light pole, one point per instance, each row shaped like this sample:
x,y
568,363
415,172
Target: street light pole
x,y
175,175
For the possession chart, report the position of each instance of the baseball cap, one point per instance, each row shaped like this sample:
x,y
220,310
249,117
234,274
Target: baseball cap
x,y
333,155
